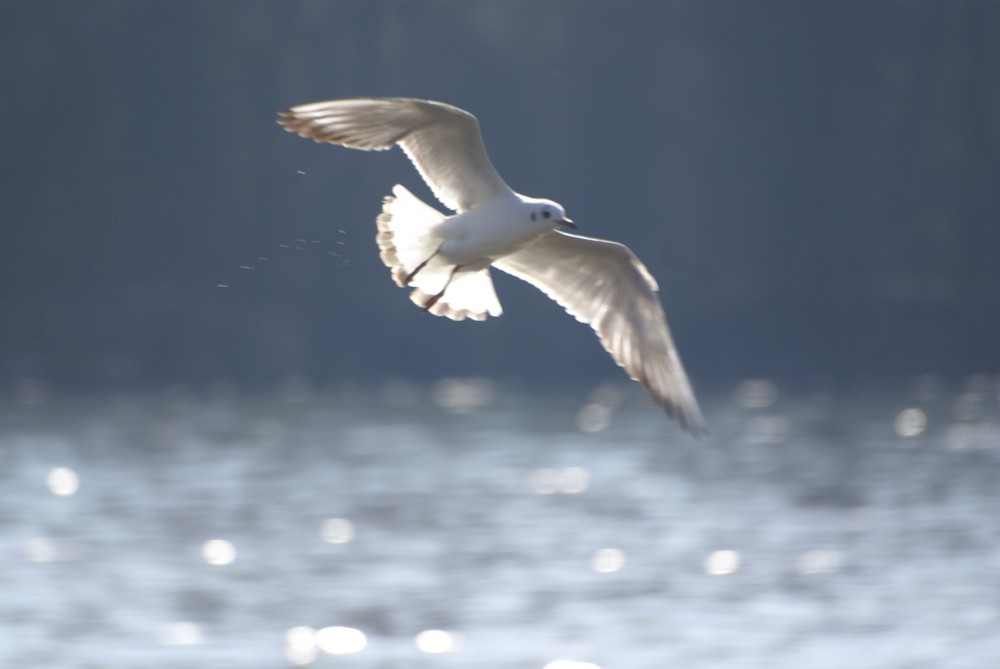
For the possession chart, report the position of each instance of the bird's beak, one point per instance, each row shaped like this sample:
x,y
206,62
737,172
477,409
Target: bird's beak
x,y
566,223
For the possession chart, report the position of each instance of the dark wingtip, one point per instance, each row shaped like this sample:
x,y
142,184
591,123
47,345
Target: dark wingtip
x,y
693,425
698,431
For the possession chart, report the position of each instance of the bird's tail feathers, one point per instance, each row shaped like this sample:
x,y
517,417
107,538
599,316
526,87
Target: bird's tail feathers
x,y
406,233
468,295
409,241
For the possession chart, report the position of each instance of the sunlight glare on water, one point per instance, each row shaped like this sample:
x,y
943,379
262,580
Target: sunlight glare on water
x,y
722,563
48,549
544,481
570,664
593,418
462,396
435,642
553,481
338,531
573,480
609,394
911,422
180,634
300,645
821,561
972,437
62,481
756,394
768,429
341,640
503,538
218,552
608,560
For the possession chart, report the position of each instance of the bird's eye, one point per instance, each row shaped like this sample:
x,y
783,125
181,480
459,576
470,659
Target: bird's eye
x,y
546,214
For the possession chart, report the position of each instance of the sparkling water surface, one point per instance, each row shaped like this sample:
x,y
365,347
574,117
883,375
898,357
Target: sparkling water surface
x,y
468,525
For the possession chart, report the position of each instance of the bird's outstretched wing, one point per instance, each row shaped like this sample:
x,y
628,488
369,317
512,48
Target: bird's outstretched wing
x,y
443,142
605,285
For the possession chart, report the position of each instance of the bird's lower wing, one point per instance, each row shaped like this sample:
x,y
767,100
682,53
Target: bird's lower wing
x,y
605,285
443,142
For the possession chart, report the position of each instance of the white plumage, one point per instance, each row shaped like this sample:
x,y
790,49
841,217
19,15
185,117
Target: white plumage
x,y
446,259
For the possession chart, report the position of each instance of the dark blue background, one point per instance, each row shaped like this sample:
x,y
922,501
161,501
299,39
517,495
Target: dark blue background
x,y
816,186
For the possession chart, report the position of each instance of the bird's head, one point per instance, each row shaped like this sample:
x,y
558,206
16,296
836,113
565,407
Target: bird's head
x,y
550,214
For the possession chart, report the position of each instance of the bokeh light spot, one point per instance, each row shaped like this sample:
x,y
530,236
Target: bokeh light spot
x,y
911,422
551,481
573,480
435,642
768,429
300,645
181,634
607,560
341,640
823,561
756,394
544,481
45,549
62,481
463,396
338,531
722,563
593,418
218,552
611,395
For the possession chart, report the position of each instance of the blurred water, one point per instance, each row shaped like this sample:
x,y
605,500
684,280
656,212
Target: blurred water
x,y
466,526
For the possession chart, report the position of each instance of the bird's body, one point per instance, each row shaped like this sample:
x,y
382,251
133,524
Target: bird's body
x,y
491,231
446,259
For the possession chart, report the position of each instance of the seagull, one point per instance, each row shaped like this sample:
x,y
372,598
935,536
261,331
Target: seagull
x,y
446,259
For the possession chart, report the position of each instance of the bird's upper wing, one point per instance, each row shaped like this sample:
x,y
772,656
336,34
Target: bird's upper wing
x,y
442,141
603,284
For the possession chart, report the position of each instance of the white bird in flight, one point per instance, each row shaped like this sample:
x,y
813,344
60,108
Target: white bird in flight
x,y
446,259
